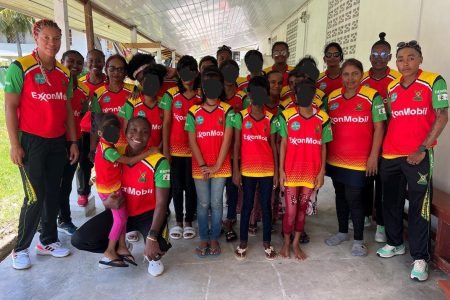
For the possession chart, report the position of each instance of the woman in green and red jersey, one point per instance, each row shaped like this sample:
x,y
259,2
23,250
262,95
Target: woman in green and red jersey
x,y
110,97
145,188
146,105
417,106
255,143
280,55
357,116
238,100
176,103
331,79
94,79
209,126
38,110
378,77
304,131
74,62
254,62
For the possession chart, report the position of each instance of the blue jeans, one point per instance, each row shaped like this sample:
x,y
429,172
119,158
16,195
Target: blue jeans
x,y
209,195
265,195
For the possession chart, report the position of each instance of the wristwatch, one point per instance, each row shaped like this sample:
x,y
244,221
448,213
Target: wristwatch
x,y
153,233
422,148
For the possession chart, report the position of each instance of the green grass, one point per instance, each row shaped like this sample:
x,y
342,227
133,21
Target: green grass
x,y
11,192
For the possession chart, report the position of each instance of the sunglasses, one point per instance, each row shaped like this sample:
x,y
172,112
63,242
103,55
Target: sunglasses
x,y
382,55
411,44
332,54
279,52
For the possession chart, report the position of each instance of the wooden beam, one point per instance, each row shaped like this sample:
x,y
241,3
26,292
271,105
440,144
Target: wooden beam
x,y
142,45
89,22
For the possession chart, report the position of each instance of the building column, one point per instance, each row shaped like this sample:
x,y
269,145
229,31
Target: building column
x,y
158,54
89,22
62,19
134,39
173,58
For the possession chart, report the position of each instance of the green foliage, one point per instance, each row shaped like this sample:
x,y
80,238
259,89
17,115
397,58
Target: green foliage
x,y
13,23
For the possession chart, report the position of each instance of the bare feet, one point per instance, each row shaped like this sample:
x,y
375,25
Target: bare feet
x,y
284,252
299,254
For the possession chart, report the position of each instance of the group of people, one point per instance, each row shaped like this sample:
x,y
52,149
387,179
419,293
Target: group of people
x,y
188,134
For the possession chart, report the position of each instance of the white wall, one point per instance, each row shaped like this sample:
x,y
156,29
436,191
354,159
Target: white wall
x,y
402,20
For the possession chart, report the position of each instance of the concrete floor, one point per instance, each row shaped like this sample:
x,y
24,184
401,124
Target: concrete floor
x,y
328,272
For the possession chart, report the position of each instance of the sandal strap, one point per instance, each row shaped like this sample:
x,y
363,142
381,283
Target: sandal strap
x,y
269,250
241,250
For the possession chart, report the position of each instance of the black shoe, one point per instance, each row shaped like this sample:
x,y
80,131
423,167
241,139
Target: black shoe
x,y
67,228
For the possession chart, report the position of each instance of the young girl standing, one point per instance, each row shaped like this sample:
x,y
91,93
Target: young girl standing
x,y
255,143
304,130
210,131
108,181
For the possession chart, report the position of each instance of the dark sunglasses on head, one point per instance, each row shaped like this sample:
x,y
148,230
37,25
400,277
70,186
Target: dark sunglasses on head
x,y
332,54
411,44
382,55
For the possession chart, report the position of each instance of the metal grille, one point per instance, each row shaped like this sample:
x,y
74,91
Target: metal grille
x,y
291,40
342,24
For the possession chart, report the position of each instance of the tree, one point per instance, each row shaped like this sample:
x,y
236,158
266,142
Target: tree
x,y
15,25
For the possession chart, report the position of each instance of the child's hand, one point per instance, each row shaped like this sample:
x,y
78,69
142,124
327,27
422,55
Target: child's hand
x,y
318,182
275,180
372,166
282,178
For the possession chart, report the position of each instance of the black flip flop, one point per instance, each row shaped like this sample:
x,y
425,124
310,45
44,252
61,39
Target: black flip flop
x,y
113,263
128,259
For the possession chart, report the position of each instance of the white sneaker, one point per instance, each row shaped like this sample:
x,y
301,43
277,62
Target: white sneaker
x,y
380,234
155,267
53,249
420,270
21,260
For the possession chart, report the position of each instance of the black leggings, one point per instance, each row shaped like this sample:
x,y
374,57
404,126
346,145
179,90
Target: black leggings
x,y
92,236
181,180
84,171
349,199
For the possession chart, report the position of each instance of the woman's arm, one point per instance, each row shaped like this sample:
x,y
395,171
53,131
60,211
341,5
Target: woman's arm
x,y
282,160
224,148
377,140
273,145
197,153
70,128
167,124
17,153
320,178
237,180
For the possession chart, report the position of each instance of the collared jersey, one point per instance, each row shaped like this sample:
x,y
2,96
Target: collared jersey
x,y
304,139
352,123
328,84
410,112
209,128
80,105
106,101
320,101
285,74
380,84
86,120
137,108
179,105
242,83
42,107
256,151
167,84
239,101
107,169
139,183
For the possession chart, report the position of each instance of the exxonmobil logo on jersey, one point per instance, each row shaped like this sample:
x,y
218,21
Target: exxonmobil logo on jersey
x,y
156,126
179,118
136,192
409,112
251,138
114,110
308,140
46,97
211,133
349,119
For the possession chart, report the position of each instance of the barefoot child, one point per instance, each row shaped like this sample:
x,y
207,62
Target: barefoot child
x,y
108,181
255,143
304,130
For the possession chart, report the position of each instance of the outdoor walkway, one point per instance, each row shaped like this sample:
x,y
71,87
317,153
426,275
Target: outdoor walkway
x,y
328,273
